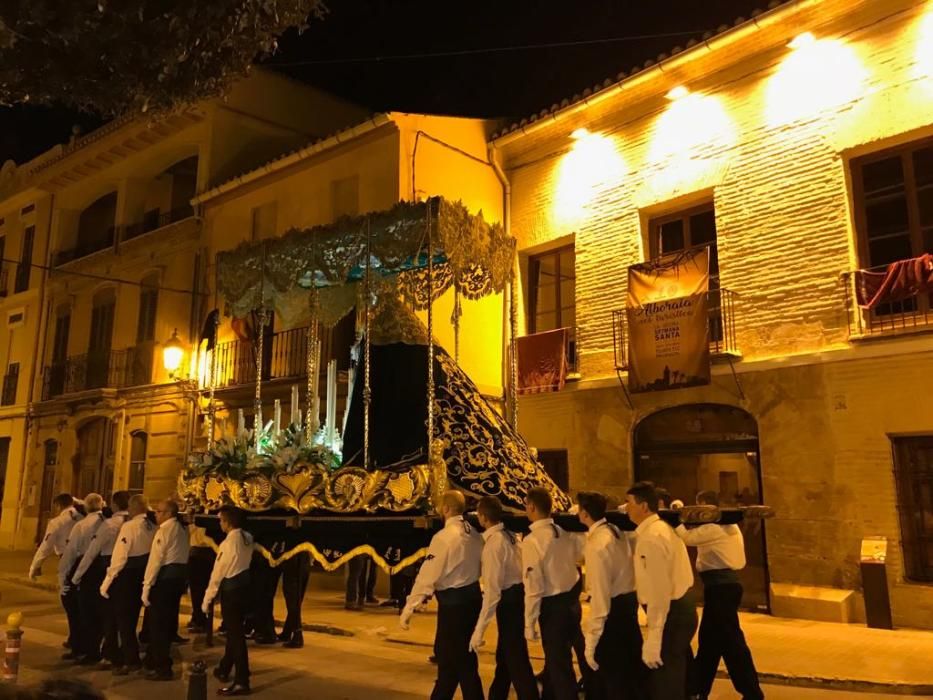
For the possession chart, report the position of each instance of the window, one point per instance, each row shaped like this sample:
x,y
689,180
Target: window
x,y
98,351
148,305
138,448
3,285
4,461
552,287
913,475
10,384
264,221
25,260
686,229
556,466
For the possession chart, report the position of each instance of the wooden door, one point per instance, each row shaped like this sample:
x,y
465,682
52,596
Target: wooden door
x,y
90,461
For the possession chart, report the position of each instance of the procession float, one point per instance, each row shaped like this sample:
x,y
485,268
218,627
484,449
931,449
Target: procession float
x,y
416,424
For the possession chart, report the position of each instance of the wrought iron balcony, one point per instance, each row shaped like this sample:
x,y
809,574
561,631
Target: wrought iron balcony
x,y
284,357
913,314
83,249
115,369
722,340
154,220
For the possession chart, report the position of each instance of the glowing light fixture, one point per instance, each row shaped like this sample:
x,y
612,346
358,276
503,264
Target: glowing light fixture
x,y
923,68
677,93
802,40
592,164
692,121
173,352
580,134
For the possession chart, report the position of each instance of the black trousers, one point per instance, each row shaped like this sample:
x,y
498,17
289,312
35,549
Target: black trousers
x,y
164,601
669,682
265,583
621,672
72,608
296,572
721,637
560,626
513,667
233,606
361,579
91,606
457,613
126,593
200,565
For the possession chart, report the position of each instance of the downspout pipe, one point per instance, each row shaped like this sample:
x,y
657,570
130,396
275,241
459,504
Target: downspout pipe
x,y
494,160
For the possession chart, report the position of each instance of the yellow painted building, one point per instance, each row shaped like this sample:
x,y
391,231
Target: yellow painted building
x,y
119,268
797,145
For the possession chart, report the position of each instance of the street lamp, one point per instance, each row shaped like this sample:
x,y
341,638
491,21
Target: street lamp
x,y
173,352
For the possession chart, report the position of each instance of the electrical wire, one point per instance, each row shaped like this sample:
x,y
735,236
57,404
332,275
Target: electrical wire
x,y
489,50
106,278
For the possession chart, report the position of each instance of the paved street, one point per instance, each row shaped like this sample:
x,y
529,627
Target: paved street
x,y
365,665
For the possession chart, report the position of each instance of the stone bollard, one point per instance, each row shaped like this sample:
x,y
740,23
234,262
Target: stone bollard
x,y
197,681
14,636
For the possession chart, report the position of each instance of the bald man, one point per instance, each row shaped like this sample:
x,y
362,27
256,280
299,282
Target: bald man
x,y
451,573
75,547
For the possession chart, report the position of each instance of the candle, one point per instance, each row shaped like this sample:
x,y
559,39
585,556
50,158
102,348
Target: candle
x,y
240,422
277,419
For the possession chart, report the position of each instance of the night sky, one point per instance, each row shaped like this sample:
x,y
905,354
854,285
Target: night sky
x,y
383,54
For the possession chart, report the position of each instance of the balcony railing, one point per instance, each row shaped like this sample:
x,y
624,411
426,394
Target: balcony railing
x,y
154,220
722,340
284,357
911,315
116,369
4,280
86,248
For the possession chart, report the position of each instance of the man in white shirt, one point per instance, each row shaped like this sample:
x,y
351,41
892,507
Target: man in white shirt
x,y
552,592
231,578
65,517
163,585
78,541
125,577
613,638
720,556
451,573
504,598
663,578
97,612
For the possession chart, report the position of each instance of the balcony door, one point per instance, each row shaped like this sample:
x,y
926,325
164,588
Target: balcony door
x,y
99,344
92,470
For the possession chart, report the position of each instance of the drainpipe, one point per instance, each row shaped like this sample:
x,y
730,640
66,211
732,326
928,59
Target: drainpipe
x,y
506,311
38,357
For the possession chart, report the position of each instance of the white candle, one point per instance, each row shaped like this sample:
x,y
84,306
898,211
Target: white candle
x,y
294,413
277,419
240,422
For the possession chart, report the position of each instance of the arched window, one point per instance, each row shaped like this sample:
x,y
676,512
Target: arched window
x,y
138,449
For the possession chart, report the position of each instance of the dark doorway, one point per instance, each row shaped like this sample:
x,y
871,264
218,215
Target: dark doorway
x,y
92,472
700,447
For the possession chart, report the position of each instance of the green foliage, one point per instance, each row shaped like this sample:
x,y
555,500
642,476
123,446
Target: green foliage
x,y
120,56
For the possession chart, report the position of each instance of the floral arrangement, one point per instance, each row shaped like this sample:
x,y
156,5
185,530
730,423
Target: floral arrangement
x,y
290,449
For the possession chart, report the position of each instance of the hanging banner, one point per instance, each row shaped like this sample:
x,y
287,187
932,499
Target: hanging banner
x,y
668,322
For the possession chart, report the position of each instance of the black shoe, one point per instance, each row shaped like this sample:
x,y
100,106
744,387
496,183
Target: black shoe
x,y
389,603
372,600
353,606
296,642
263,640
160,676
221,676
70,656
180,640
235,689
89,661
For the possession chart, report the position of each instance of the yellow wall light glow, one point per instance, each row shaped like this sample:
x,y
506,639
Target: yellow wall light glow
x,y
692,121
592,164
815,75
923,67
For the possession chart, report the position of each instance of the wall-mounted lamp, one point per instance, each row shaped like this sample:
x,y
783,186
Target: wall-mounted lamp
x,y
173,352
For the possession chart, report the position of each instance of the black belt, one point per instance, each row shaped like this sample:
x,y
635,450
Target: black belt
x,y
172,572
459,596
234,583
513,594
104,559
571,595
719,577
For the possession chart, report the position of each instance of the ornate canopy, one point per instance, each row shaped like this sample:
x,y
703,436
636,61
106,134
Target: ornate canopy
x,y
468,252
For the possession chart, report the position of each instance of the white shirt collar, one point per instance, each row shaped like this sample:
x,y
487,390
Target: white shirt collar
x,y
592,528
647,522
490,531
168,523
119,513
453,520
141,515
544,522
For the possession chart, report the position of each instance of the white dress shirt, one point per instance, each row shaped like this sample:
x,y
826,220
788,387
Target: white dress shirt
x,y
233,558
78,542
101,544
56,537
502,569
133,540
718,546
549,559
610,572
169,546
662,569
453,561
